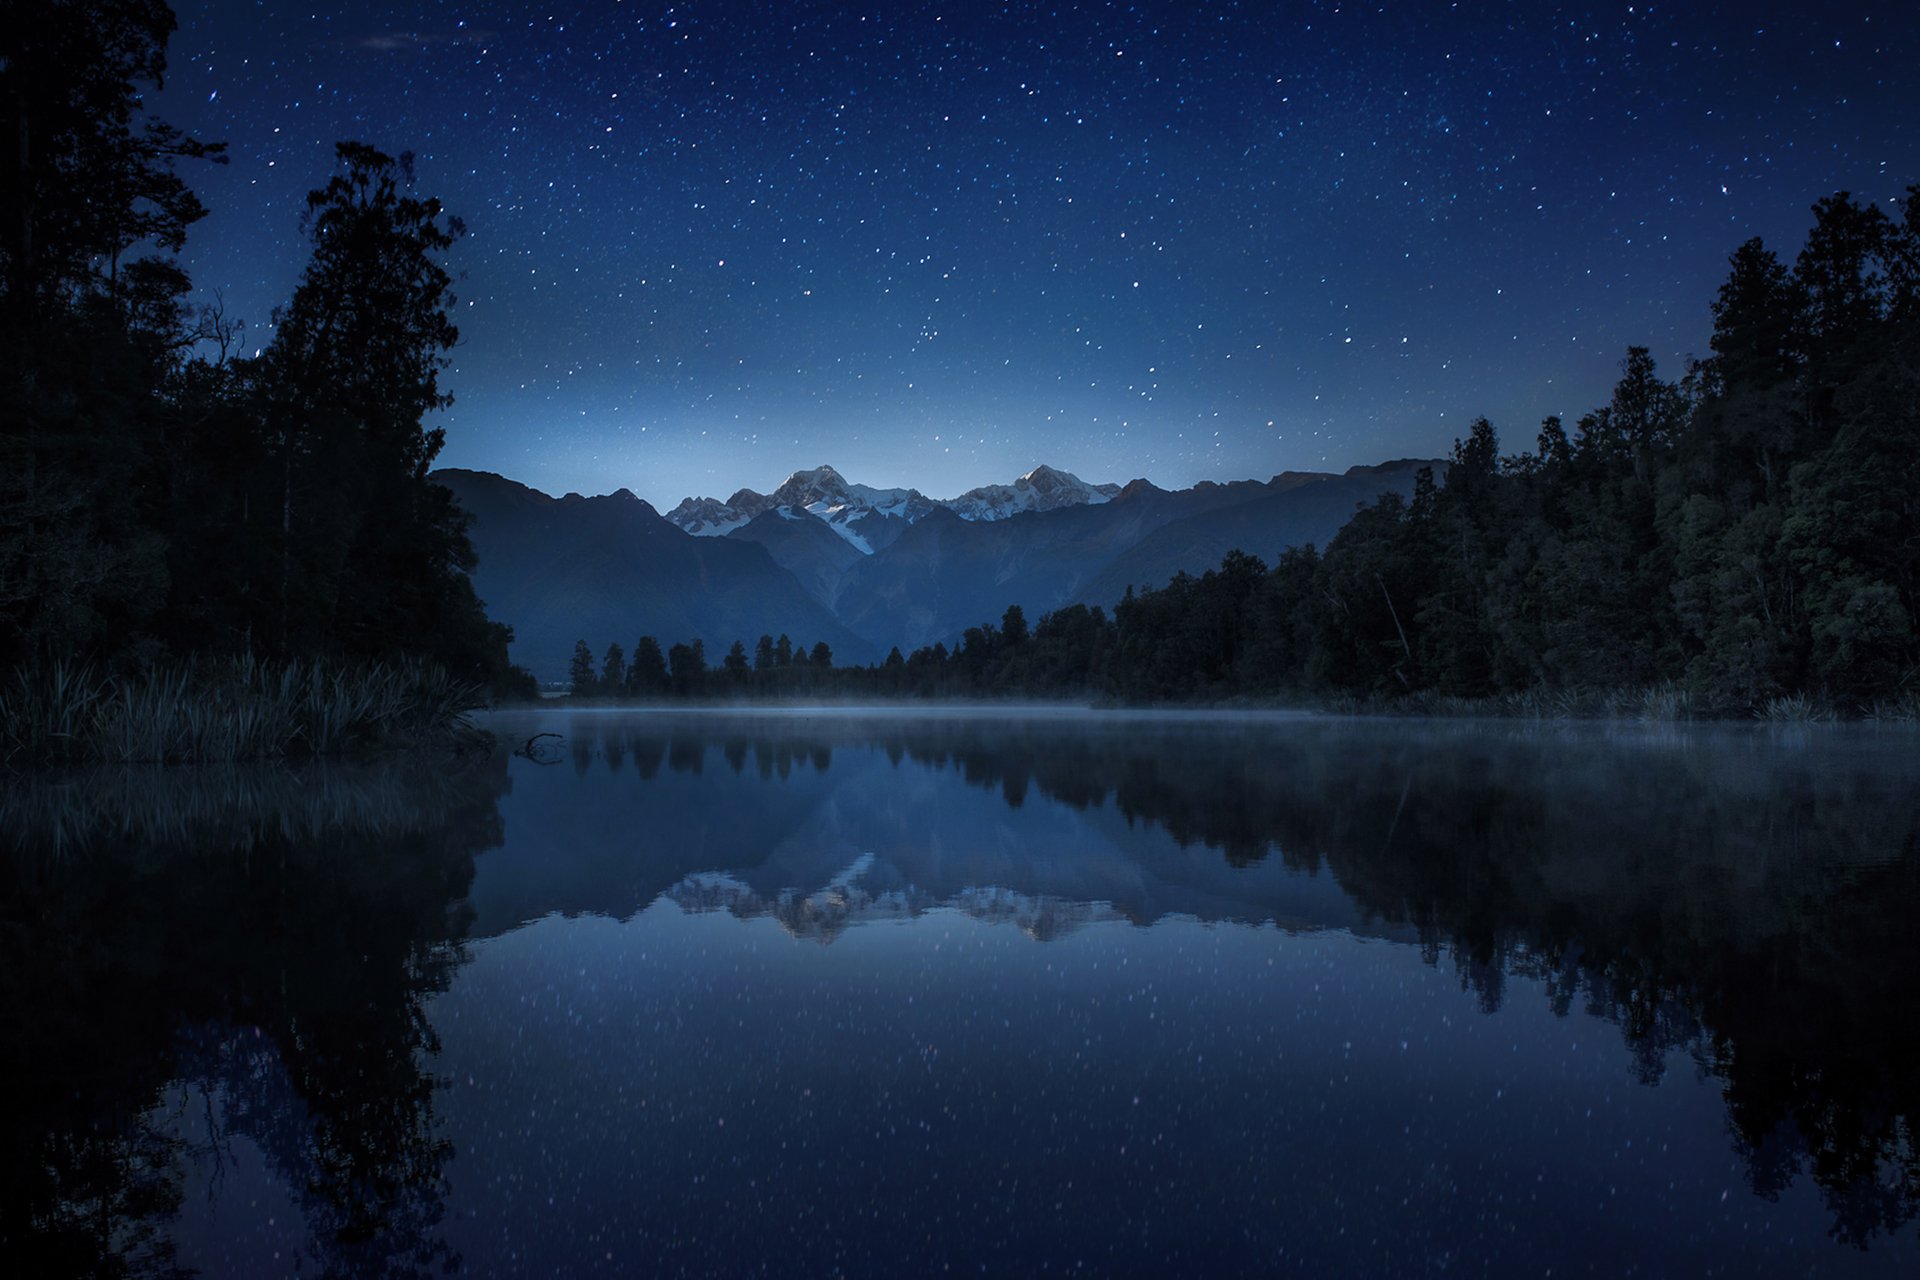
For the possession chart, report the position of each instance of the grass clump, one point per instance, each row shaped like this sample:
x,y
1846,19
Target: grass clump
x,y
225,710
1796,708
1904,709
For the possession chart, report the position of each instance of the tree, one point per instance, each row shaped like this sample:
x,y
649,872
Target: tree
x,y
580,670
763,654
822,657
688,663
1013,626
1749,415
613,669
647,676
87,337
86,179
735,662
372,557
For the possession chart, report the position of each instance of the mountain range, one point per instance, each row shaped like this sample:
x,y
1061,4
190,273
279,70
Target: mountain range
x,y
865,569
870,519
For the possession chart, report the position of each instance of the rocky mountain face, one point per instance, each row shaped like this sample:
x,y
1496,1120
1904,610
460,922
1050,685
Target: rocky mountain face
x,y
865,569
805,545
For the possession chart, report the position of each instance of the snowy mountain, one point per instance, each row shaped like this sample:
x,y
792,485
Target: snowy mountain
x,y
712,518
867,518
870,519
1041,489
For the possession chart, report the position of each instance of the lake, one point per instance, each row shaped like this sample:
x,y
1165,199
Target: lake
x,y
994,992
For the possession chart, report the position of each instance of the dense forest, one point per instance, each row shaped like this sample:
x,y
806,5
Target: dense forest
x,y
1743,540
164,495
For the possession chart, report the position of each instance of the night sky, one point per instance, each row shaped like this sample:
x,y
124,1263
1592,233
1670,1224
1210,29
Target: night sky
x,y
937,244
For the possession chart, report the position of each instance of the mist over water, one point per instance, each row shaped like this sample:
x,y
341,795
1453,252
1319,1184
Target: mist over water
x,y
885,993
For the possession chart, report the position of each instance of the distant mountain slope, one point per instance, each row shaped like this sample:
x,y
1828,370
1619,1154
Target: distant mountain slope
x,y
1297,508
804,545
946,574
611,569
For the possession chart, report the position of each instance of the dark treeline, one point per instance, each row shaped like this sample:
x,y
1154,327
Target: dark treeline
x,y
1065,656
1744,539
165,492
1749,533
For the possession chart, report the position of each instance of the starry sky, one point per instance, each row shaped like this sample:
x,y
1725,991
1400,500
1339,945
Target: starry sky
x,y
938,244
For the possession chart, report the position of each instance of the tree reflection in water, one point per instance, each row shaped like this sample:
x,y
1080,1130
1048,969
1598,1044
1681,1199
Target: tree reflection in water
x,y
1728,896
264,939
264,943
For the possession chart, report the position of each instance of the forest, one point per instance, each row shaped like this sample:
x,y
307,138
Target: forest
x,y
179,506
1744,540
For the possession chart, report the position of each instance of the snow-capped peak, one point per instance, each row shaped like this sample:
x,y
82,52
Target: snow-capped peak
x,y
870,518
1042,489
712,518
820,485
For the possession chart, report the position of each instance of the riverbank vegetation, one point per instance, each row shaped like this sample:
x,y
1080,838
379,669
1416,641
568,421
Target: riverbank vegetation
x,y
222,710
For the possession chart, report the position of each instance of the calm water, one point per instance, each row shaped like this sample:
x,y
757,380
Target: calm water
x,y
682,994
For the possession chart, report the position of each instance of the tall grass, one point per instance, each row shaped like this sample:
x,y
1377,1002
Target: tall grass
x,y
1903,709
224,710
1796,708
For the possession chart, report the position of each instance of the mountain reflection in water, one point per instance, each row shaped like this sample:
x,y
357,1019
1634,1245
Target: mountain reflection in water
x,y
270,947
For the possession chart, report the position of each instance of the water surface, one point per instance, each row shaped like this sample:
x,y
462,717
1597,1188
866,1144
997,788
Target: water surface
x,y
886,994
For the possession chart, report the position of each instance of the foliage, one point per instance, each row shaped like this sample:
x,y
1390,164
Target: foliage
x,y
223,710
161,500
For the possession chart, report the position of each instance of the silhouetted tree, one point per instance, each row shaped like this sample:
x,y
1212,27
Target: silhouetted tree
x,y
613,669
580,670
687,665
372,557
647,676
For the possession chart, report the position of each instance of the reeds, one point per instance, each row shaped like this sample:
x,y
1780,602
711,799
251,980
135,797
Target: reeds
x,y
1796,708
224,710
1904,709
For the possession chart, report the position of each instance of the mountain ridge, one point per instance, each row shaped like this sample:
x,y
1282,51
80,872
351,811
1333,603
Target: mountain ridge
x,y
863,514
867,569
